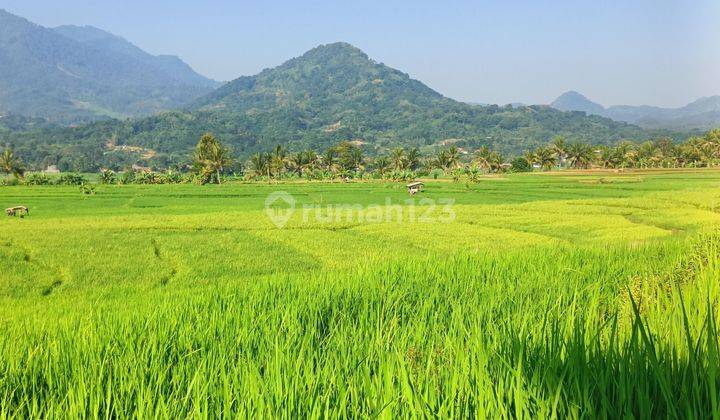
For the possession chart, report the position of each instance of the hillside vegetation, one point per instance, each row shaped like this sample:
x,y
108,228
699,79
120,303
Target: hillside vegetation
x,y
332,93
77,74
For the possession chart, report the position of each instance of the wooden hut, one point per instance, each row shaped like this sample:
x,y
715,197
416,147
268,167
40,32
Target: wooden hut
x,y
414,187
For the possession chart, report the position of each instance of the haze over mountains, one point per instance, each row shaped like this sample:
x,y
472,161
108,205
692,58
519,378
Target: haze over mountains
x,y
73,74
703,114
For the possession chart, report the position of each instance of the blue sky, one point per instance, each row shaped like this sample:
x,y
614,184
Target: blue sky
x,y
660,52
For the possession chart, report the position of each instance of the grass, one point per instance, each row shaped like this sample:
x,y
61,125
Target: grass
x,y
547,297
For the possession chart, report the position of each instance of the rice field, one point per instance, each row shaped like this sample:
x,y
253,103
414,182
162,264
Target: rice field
x,y
524,296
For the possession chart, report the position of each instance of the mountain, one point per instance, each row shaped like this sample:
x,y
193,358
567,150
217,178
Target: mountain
x,y
703,114
573,101
72,74
331,93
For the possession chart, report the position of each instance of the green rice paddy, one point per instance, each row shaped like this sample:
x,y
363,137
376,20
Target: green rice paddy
x,y
544,296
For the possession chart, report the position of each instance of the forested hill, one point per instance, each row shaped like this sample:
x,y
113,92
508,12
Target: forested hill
x,y
74,74
334,92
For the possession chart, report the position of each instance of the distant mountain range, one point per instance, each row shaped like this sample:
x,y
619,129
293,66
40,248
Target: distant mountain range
x,y
73,74
331,93
703,114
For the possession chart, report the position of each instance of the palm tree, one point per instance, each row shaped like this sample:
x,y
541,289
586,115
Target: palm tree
x,y
330,160
211,157
559,148
260,164
495,160
398,159
482,158
381,164
442,161
413,159
356,159
531,158
11,164
545,157
453,156
579,155
301,162
279,160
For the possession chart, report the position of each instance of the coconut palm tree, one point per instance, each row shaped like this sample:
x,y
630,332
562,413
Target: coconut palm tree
x,y
545,157
330,160
442,160
381,164
413,159
279,161
482,158
495,161
559,148
453,156
531,158
11,164
211,157
579,155
259,164
301,162
356,159
397,157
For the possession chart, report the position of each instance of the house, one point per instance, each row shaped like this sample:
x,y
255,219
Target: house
x,y
52,169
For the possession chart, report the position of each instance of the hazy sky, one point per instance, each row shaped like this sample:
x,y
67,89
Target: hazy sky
x,y
632,52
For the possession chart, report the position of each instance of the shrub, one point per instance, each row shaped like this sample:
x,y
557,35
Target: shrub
x,y
9,182
71,179
87,189
37,178
436,173
127,177
145,178
521,164
107,176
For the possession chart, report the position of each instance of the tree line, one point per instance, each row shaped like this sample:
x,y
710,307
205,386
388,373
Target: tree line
x,y
212,161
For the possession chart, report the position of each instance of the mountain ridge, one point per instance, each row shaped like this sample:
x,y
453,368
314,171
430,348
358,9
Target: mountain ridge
x,y
74,74
331,93
701,114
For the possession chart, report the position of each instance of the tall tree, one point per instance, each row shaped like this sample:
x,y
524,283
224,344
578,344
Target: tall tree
x,y
11,164
211,157
559,147
398,159
579,155
545,157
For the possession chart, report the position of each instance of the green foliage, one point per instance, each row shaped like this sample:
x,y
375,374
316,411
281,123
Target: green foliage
x,y
10,163
210,159
87,189
71,179
108,176
37,178
520,164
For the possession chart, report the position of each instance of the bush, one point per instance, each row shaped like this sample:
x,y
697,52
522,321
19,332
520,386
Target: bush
x,y
145,178
9,182
37,178
521,165
437,173
87,189
71,179
127,177
107,176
